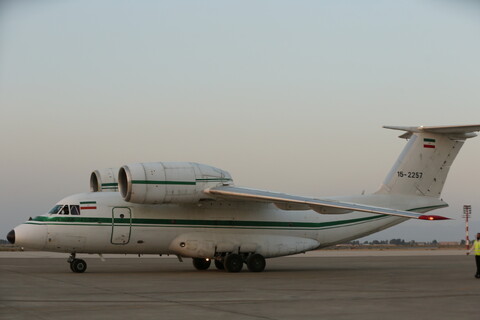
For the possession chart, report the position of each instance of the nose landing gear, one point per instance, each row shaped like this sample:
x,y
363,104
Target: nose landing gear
x,y
77,265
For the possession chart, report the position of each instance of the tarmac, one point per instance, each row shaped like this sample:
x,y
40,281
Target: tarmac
x,y
319,285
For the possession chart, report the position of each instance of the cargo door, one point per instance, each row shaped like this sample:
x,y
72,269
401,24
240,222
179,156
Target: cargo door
x,y
121,225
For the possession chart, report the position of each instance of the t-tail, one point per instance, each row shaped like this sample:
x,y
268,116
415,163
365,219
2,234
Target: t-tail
x,y
423,165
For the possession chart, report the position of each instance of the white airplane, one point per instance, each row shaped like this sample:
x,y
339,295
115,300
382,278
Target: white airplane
x,y
194,210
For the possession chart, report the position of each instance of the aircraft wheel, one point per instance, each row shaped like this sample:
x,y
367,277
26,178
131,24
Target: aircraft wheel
x,y
219,264
233,263
78,265
256,262
201,263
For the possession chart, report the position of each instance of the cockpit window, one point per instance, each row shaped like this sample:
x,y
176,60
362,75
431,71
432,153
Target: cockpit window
x,y
56,209
64,210
75,210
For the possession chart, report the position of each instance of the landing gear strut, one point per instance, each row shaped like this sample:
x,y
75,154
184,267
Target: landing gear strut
x,y
77,265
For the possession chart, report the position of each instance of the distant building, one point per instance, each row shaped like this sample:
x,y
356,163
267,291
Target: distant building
x,y
448,243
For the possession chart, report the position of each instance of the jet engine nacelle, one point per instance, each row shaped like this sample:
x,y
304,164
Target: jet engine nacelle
x,y
104,180
169,182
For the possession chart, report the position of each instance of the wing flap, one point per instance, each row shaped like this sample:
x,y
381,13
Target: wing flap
x,y
291,202
328,210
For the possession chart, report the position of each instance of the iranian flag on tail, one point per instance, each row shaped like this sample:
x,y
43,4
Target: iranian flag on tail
x,y
429,143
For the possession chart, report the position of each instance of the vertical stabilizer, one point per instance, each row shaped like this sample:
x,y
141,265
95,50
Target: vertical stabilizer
x,y
423,165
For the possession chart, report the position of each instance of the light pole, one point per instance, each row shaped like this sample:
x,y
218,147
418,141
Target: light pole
x,y
467,212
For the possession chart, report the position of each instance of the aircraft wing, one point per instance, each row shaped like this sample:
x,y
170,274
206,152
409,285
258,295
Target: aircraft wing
x,y
291,202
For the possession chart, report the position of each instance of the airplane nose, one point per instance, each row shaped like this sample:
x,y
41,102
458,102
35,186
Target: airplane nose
x,y
11,237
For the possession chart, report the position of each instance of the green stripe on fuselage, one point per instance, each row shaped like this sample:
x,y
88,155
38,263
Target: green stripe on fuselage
x,y
201,223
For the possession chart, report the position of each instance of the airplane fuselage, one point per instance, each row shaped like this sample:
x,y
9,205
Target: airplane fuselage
x,y
107,224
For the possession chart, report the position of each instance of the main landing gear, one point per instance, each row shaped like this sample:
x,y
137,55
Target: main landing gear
x,y
256,263
219,264
201,264
233,262
77,265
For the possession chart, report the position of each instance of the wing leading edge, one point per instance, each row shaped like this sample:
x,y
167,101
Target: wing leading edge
x,y
291,202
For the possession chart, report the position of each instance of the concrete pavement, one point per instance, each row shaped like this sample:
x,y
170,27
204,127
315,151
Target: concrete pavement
x,y
312,287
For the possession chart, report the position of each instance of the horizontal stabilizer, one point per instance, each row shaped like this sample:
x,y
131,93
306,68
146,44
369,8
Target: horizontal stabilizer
x,y
465,131
320,206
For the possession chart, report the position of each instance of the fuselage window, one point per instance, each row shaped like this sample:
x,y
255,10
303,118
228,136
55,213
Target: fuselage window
x,y
64,210
55,209
75,210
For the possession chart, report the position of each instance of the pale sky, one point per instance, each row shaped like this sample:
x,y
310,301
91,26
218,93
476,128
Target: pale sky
x,y
287,96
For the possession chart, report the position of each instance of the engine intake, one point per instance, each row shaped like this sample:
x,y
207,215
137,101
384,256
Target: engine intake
x,y
104,180
169,182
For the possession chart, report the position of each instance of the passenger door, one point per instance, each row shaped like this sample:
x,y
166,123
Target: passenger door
x,y
121,225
